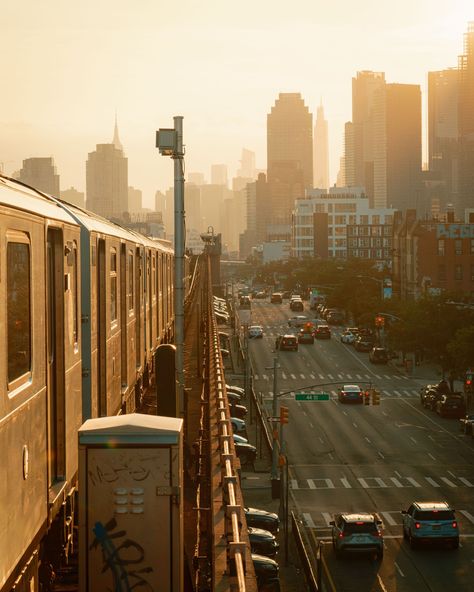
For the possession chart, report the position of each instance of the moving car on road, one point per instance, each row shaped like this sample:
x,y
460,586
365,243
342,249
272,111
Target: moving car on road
x,y
286,343
451,405
378,355
306,335
349,336
351,393
322,332
255,331
276,298
364,343
357,533
430,521
298,321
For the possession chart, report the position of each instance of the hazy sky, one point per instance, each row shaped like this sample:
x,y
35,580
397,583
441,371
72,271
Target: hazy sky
x,y
67,66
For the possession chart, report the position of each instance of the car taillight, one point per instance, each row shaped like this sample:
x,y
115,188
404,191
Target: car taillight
x,y
417,525
341,535
455,524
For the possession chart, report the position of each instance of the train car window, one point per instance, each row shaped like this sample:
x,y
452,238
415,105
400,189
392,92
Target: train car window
x,y
131,277
113,285
18,309
153,258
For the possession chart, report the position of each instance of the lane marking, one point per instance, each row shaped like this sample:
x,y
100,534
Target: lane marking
x,y
293,376
381,583
413,440
399,570
321,440
432,482
346,483
380,481
468,515
396,482
327,518
431,456
367,439
311,484
466,482
380,454
293,484
448,482
413,482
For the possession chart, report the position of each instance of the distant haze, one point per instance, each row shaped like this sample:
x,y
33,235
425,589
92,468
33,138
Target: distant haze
x,y
68,67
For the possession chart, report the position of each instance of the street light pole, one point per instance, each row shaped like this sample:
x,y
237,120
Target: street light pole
x,y
274,416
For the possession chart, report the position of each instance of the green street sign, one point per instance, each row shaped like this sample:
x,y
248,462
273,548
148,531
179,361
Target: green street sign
x,y
312,397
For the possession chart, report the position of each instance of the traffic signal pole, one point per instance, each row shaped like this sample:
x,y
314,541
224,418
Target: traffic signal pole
x,y
274,420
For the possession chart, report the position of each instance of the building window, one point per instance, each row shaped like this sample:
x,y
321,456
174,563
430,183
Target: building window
x,y
458,272
75,293
339,219
442,273
18,309
113,285
458,247
352,219
472,246
441,247
364,219
375,219
472,273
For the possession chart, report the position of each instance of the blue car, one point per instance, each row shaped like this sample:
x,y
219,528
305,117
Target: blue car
x,y
430,521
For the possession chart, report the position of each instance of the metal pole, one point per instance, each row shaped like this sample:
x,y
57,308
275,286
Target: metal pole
x,y
286,509
274,416
179,238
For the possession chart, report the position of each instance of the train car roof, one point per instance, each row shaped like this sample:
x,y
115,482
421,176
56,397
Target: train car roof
x,y
21,197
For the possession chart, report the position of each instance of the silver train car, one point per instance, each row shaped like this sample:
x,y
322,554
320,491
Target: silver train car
x,y
84,305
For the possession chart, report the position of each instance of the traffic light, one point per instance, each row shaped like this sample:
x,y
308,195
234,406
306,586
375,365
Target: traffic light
x,y
367,398
283,414
379,321
375,397
468,384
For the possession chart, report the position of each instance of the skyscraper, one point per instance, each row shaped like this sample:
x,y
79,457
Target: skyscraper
x,y
397,146
443,99
107,179
321,151
290,137
219,174
359,133
466,124
41,174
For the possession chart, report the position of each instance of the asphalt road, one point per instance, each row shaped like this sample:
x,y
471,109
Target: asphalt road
x,y
367,458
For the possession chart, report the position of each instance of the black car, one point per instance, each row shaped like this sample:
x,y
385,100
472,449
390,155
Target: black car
x,y
378,355
233,397
322,332
262,519
305,336
262,542
286,342
237,410
364,343
245,451
266,571
452,405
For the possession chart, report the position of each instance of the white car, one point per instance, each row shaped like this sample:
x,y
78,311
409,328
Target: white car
x,y
298,321
255,331
348,337
238,425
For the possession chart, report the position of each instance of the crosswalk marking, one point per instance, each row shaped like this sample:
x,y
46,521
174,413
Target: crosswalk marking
x,y
448,482
346,483
293,484
293,376
302,376
311,484
396,482
312,376
363,482
331,376
380,482
321,376
349,376
432,482
358,376
465,481
386,376
413,482
327,518
388,518
265,377
309,521
467,514
283,375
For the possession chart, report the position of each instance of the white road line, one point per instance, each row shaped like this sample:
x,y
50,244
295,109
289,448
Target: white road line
x,y
354,424
312,376
452,474
349,376
363,482
413,439
380,482
367,439
346,483
381,584
264,377
380,454
345,412
255,376
302,376
293,376
396,482
331,376
396,376
340,376
293,484
283,375
321,376
413,482
466,482
359,376
310,424
431,456
378,377
327,518
386,393
321,440
308,520
399,570
397,393
387,376
431,438
467,514
448,482
388,518
432,482
385,413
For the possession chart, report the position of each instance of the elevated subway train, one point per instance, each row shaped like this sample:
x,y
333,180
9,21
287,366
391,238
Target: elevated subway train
x,y
84,304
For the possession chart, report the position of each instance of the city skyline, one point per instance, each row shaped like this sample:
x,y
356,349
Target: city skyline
x,y
78,70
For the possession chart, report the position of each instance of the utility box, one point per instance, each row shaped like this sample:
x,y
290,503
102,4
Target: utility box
x,y
131,504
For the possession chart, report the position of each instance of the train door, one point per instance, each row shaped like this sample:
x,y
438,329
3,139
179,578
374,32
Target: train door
x,y
101,329
124,307
55,332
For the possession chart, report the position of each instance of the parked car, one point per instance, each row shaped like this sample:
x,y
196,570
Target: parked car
x,y
237,410
452,405
262,519
276,298
351,393
238,425
266,571
255,331
286,343
378,355
297,321
430,521
322,332
357,533
245,451
262,542
466,424
238,438
235,389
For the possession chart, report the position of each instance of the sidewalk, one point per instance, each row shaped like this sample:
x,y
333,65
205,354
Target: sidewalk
x,y
424,373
